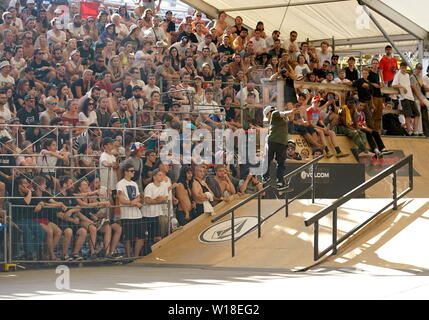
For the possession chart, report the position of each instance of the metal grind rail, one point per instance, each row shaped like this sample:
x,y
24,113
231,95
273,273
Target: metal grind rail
x,y
312,164
391,171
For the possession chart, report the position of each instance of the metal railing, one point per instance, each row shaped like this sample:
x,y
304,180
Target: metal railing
x,y
15,240
259,195
355,193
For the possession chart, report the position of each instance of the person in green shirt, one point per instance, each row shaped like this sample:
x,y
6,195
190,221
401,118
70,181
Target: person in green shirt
x,y
277,141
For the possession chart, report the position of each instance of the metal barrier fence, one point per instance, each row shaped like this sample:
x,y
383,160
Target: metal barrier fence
x,y
82,234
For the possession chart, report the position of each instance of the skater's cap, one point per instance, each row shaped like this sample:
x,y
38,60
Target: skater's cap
x,y
267,110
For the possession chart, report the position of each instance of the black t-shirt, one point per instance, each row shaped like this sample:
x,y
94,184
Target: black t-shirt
x,y
225,49
147,172
39,73
97,71
58,82
171,26
365,89
21,213
25,117
79,83
352,75
375,78
6,161
86,53
320,73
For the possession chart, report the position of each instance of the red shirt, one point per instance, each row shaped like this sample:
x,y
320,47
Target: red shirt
x,y
313,115
389,66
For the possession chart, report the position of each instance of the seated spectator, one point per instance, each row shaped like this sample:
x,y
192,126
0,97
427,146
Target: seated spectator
x,y
221,184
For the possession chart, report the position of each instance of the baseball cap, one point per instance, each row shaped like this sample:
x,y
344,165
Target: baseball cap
x,y
267,110
137,146
291,141
137,87
315,99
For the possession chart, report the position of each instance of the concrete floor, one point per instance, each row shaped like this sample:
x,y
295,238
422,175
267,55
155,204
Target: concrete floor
x,y
162,283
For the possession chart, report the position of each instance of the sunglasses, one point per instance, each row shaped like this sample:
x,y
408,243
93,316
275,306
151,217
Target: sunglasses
x,y
132,170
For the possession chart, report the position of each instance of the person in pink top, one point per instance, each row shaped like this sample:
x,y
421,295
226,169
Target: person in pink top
x,y
388,66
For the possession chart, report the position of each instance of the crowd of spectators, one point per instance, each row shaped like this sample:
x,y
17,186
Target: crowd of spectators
x,y
109,74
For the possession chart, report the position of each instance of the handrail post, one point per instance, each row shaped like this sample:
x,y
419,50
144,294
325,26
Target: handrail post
x,y
410,173
316,240
232,235
9,222
287,203
395,191
259,216
313,190
334,232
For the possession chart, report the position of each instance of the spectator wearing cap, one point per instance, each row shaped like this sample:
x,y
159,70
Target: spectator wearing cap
x,y
6,80
133,38
86,52
28,114
43,69
102,21
91,29
7,23
56,34
75,28
98,67
136,103
109,164
181,46
137,151
207,43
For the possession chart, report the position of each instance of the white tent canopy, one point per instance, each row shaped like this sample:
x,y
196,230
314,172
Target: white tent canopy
x,y
342,20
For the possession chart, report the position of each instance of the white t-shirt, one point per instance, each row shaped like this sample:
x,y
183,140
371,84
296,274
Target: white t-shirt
x,y
77,32
324,57
152,191
106,181
5,113
426,84
259,45
207,109
148,91
212,47
302,71
6,80
54,38
130,190
404,80
86,121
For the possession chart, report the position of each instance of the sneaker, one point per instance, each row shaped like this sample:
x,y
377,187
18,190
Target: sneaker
x,y
265,180
115,256
386,152
77,257
67,258
329,154
342,155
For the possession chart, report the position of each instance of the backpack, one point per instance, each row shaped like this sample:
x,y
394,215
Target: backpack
x,y
392,125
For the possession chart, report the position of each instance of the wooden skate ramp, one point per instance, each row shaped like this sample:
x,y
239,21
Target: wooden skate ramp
x,y
285,243
403,147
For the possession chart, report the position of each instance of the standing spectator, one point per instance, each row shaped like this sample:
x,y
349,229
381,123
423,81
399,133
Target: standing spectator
x,y
376,80
131,217
402,81
365,92
422,103
389,66
155,198
109,164
352,73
